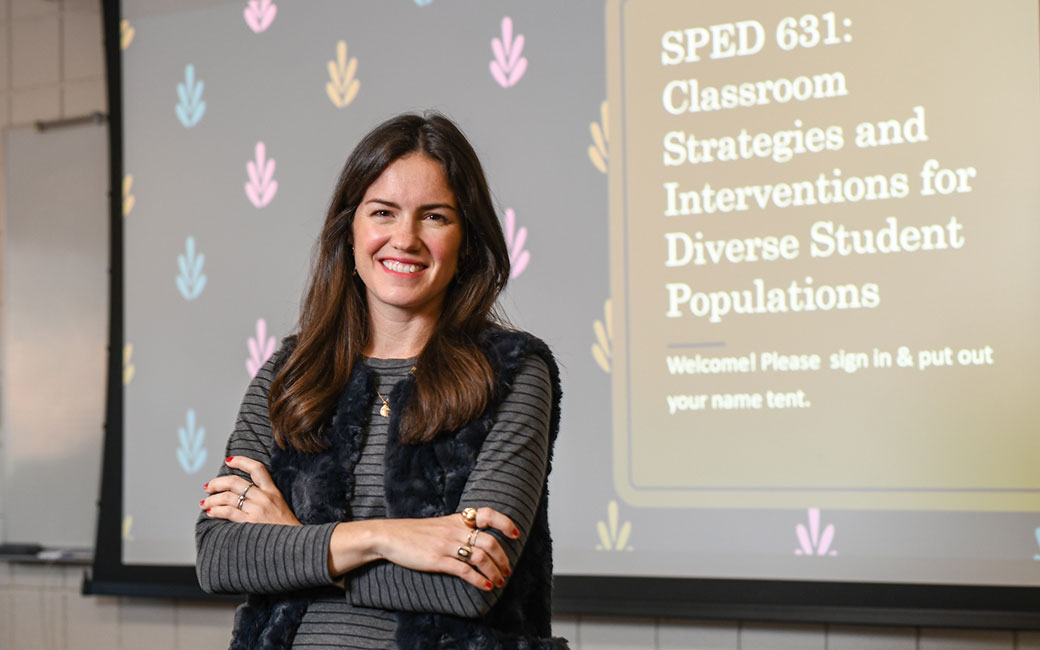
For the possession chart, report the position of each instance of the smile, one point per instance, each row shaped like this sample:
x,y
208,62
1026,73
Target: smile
x,y
399,267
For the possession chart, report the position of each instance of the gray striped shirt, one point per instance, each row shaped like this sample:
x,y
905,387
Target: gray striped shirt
x,y
267,558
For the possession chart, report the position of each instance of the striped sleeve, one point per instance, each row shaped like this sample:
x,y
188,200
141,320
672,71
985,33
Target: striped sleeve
x,y
259,558
508,476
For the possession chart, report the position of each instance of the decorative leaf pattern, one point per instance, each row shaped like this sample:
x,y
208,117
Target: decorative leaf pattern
x,y
191,106
612,536
126,34
260,348
259,14
600,138
128,365
509,65
810,540
515,240
191,454
602,350
128,198
261,186
191,280
342,87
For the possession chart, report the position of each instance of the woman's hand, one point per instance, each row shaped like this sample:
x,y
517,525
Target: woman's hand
x,y
431,544
262,503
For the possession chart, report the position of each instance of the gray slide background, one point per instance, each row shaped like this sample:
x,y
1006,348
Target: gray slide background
x,y
533,139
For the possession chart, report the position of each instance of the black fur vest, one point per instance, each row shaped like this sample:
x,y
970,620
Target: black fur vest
x,y
424,480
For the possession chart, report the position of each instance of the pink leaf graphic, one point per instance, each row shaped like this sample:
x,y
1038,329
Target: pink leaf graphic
x,y
499,75
261,187
825,540
517,267
814,525
803,540
515,240
516,50
260,348
508,65
259,14
810,540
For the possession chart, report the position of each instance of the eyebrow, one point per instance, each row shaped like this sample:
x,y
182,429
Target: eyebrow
x,y
422,208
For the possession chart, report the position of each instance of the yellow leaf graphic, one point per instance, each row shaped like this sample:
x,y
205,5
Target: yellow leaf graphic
x,y
128,198
128,366
342,87
613,537
126,34
598,149
601,349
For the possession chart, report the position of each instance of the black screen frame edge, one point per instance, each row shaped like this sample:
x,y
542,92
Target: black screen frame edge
x,y
781,601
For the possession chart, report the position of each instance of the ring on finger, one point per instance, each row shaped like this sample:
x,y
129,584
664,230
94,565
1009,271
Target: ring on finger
x,y
465,552
472,541
469,515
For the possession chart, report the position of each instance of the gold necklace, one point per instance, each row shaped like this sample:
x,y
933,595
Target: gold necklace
x,y
384,410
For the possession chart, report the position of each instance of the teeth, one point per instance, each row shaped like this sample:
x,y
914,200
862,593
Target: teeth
x,y
394,265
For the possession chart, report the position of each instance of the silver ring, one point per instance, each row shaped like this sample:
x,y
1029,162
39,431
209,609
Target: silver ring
x,y
464,552
472,537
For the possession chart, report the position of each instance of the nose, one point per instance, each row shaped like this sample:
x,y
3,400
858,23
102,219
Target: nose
x,y
405,236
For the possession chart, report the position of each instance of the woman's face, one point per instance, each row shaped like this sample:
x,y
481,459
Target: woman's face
x,y
407,235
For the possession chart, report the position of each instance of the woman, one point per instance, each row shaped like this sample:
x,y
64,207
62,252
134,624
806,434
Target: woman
x,y
385,485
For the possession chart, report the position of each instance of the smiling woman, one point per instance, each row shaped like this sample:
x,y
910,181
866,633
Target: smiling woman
x,y
385,483
406,239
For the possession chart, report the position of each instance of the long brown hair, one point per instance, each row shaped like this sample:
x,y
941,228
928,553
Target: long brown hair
x,y
453,379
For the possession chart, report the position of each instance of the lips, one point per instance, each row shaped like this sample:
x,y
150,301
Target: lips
x,y
401,267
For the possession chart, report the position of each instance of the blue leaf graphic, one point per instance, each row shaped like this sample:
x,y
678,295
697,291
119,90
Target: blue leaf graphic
x,y
191,280
191,108
190,454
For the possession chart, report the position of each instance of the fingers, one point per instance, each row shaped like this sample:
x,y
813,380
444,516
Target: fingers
x,y
489,546
228,483
487,557
256,470
490,518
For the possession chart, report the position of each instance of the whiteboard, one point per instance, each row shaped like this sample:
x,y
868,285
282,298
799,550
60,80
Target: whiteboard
x,y
54,334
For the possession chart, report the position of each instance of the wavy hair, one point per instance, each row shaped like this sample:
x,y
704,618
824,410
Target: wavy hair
x,y
453,378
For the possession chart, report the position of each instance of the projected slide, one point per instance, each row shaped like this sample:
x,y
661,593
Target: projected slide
x,y
824,228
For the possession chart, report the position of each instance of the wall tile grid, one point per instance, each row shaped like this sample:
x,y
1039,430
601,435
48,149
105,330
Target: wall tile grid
x,y
51,66
51,60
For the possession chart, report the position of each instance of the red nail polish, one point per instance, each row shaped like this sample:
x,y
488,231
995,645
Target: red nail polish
x,y
488,585
229,459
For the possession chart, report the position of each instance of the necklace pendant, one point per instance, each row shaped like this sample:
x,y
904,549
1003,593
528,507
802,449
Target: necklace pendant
x,y
384,410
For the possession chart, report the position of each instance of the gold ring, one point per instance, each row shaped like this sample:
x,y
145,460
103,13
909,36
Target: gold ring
x,y
472,537
464,552
469,515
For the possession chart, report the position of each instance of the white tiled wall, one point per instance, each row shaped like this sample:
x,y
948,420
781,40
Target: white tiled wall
x,y
52,66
